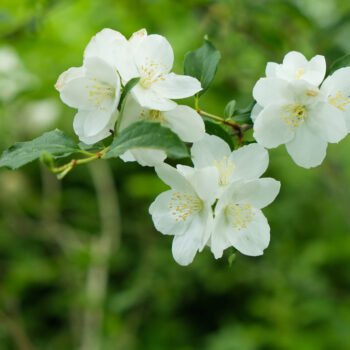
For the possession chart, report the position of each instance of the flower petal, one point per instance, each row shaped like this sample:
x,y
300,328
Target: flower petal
x,y
90,123
256,111
307,149
144,156
157,50
253,239
105,132
185,246
171,177
294,59
163,219
270,130
269,91
137,37
204,181
104,45
176,86
250,162
132,112
328,122
316,70
258,193
150,99
270,70
99,70
185,122
68,75
338,81
218,241
209,149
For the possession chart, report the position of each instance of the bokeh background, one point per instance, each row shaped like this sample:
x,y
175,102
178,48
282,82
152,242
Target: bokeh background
x,y
81,265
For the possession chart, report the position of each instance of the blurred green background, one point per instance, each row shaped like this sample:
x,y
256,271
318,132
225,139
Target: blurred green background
x,y
78,273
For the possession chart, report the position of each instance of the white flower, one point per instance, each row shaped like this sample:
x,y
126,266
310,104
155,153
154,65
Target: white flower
x,y
113,47
295,66
151,58
185,210
239,222
248,162
337,89
299,115
182,120
94,89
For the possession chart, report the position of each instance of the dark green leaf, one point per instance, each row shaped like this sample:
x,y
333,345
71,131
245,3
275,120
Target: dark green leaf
x,y
230,109
215,129
202,64
243,115
53,142
341,62
127,88
147,134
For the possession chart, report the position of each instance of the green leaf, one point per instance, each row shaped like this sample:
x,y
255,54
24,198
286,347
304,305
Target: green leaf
x,y
202,64
230,109
215,129
341,62
243,115
53,142
149,135
47,159
231,258
127,88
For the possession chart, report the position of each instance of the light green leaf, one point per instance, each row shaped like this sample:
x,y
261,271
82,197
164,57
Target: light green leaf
x,y
53,142
148,135
341,62
202,64
230,109
231,258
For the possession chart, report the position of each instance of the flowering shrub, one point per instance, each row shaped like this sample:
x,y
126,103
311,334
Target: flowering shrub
x,y
124,94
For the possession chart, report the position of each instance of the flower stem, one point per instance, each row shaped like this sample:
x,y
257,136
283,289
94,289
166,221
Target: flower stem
x,y
239,129
231,123
63,170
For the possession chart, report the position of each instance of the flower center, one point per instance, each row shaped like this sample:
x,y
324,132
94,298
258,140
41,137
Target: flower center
x,y
339,101
98,93
239,215
225,168
151,73
299,72
184,204
293,115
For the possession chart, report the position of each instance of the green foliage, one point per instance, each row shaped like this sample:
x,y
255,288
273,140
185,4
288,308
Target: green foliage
x,y
341,62
202,64
243,115
215,129
149,135
54,142
230,109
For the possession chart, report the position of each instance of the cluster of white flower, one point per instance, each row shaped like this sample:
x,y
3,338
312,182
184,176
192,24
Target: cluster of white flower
x,y
224,185
295,109
218,202
110,60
